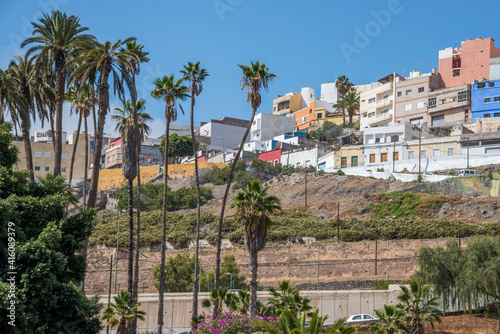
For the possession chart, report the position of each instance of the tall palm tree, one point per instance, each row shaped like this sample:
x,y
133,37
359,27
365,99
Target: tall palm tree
x,y
4,91
81,102
343,85
392,321
194,74
31,89
253,206
170,91
54,39
349,102
418,305
101,61
126,124
255,77
122,312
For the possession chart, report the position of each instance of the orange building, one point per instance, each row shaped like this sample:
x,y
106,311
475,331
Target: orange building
x,y
471,61
306,118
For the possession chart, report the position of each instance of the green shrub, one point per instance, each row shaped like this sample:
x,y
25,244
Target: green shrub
x,y
380,169
381,285
339,172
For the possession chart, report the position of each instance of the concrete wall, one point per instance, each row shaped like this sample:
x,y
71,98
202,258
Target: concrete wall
x,y
223,135
267,126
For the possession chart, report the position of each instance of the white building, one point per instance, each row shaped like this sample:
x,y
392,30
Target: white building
x,y
302,158
224,133
267,126
327,162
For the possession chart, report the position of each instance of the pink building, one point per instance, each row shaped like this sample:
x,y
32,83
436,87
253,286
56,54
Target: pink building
x,y
471,61
273,156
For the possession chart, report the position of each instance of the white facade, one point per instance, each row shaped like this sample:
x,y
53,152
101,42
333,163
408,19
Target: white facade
x,y
327,162
303,158
308,96
267,126
46,137
222,135
329,92
151,141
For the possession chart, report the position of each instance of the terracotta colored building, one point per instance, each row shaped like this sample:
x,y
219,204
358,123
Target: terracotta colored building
x,y
471,61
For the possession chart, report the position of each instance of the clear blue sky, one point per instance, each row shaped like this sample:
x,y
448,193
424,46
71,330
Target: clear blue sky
x,y
300,41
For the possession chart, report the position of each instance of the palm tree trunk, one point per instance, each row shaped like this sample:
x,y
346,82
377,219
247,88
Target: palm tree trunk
x,y
196,259
85,172
27,148
350,117
52,128
130,234
164,233
254,266
75,144
59,96
224,200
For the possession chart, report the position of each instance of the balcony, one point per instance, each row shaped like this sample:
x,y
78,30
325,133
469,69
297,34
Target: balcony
x,y
380,119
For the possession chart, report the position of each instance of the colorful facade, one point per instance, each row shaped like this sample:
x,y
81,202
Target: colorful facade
x,y
485,99
273,156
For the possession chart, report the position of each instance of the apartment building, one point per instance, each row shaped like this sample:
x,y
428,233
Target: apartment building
x,y
377,105
224,133
449,106
485,99
150,154
473,60
267,126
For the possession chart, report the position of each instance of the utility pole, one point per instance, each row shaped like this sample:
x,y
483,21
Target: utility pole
x,y
394,155
419,153
338,221
288,158
109,285
467,151
376,251
459,241
305,185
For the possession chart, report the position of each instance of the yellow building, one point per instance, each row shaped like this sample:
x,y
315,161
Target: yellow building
x,y
287,104
349,156
433,147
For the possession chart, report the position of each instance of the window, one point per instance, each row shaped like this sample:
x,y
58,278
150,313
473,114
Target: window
x,y
368,317
38,154
383,157
377,140
108,159
354,161
47,154
492,83
411,155
432,102
114,157
497,114
276,161
420,105
456,72
384,112
394,138
442,101
486,115
437,120
371,100
372,158
37,168
463,96
320,115
436,153
423,154
481,85
310,111
47,169
385,97
304,119
395,156
408,107
274,108
417,121
487,99
364,115
450,152
497,98
63,169
343,162
64,155
408,92
421,89
371,114
399,94
254,122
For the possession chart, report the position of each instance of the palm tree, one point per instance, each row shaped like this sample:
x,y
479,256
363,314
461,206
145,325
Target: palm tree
x,y
195,75
255,77
30,88
339,328
392,321
343,85
288,298
81,102
122,312
55,38
253,205
170,91
349,102
219,296
127,124
105,59
291,323
418,306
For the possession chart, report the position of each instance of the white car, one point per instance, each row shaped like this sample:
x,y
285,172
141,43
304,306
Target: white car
x,y
357,318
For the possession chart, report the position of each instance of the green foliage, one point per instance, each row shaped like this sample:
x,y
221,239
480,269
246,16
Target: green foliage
x,y
181,199
8,152
178,146
380,170
381,284
465,277
406,204
122,312
219,176
288,299
357,126
419,178
339,173
229,265
291,323
392,321
326,132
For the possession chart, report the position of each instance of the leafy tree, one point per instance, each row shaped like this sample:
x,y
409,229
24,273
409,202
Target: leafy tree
x,y
171,91
418,305
179,273
178,146
328,131
392,321
8,152
229,265
256,77
349,102
288,298
253,206
123,312
55,39
339,328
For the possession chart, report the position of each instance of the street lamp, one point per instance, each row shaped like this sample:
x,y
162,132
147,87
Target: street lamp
x,y
231,281
317,250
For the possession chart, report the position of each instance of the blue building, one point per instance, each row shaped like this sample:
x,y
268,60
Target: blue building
x,y
485,99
